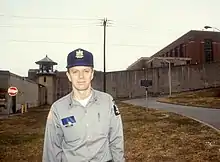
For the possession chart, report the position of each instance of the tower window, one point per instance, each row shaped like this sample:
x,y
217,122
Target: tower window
x,y
45,79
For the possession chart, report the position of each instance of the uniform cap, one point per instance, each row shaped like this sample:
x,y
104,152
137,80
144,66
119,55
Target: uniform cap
x,y
79,57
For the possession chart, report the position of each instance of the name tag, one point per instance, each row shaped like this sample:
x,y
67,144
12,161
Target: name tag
x,y
68,121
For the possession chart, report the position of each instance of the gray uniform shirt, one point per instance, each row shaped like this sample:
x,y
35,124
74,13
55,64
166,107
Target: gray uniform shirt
x,y
75,133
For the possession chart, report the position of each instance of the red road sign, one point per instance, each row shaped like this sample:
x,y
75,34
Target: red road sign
x,y
12,91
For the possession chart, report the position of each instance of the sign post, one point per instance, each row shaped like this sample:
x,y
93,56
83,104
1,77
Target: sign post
x,y
146,97
146,83
12,91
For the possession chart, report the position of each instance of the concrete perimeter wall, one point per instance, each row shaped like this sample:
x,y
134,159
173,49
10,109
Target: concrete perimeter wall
x,y
123,84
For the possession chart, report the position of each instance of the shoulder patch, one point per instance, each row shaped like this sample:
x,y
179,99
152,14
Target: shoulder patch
x,y
116,110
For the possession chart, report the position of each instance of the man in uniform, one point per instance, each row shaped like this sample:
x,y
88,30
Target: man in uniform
x,y
85,125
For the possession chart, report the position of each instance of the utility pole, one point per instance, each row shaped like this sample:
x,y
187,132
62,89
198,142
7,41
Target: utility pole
x,y
104,73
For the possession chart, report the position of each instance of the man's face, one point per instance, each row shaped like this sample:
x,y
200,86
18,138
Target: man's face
x,y
81,77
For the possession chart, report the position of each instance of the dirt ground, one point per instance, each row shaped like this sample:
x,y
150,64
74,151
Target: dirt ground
x,y
209,98
150,136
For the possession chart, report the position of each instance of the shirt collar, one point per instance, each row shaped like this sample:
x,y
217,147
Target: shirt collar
x,y
93,99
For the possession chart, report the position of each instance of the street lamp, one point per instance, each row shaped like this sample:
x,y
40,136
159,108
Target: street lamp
x,y
208,27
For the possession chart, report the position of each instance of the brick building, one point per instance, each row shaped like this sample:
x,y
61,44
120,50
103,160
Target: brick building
x,y
201,46
194,47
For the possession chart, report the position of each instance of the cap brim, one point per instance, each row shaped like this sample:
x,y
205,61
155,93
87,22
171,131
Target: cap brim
x,y
78,64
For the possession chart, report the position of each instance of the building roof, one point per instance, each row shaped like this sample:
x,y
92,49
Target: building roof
x,y
4,72
137,61
46,60
32,70
170,59
189,37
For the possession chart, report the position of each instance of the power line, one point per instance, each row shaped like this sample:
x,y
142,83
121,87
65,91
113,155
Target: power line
x,y
46,26
109,24
140,27
105,22
62,42
133,45
51,18
123,25
41,41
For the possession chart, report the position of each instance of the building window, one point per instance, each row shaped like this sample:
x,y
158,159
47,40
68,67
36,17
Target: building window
x,y
208,50
181,50
171,53
45,79
176,52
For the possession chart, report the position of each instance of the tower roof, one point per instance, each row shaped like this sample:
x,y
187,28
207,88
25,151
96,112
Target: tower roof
x,y
46,60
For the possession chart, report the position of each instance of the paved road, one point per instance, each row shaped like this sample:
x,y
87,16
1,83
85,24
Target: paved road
x,y
207,115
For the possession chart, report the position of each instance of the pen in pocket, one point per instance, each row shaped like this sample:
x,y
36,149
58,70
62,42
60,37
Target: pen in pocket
x,y
99,117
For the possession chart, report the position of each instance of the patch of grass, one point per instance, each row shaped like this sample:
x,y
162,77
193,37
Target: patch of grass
x,y
150,136
21,137
209,98
164,136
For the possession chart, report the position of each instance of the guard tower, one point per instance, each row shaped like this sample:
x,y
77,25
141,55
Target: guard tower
x,y
47,77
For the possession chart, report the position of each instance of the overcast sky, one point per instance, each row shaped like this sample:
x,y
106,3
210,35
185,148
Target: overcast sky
x,y
32,29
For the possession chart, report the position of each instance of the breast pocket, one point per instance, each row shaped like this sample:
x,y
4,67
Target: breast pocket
x,y
71,133
102,129
101,125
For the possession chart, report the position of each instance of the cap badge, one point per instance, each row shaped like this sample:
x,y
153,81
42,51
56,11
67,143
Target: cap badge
x,y
79,54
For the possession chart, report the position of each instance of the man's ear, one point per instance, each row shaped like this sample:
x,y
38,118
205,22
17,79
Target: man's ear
x,y
68,76
93,71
